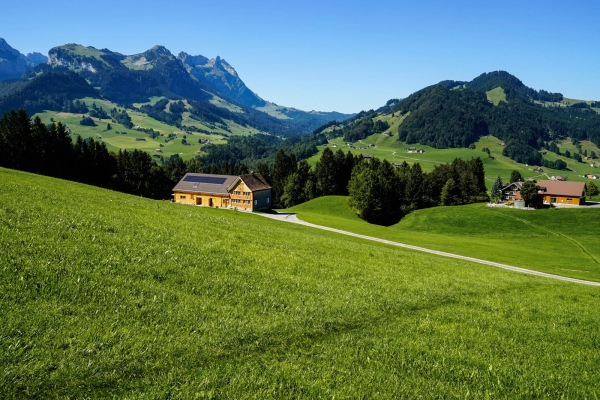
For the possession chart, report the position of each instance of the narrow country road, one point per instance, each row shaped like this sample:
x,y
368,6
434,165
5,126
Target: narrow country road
x,y
292,218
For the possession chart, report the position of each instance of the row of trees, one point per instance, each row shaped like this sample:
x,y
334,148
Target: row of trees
x,y
379,192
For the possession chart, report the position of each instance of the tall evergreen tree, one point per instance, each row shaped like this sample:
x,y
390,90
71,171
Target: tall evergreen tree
x,y
496,191
325,173
284,166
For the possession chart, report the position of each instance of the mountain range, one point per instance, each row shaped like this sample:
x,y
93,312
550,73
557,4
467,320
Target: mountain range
x,y
127,79
13,64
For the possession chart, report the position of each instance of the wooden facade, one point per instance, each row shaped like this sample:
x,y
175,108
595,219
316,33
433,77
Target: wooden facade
x,y
512,191
562,192
248,192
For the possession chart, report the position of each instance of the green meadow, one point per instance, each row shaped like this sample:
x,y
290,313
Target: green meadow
x,y
562,241
115,142
106,295
496,95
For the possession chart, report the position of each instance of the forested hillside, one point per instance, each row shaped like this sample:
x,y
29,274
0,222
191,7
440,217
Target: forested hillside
x,y
457,114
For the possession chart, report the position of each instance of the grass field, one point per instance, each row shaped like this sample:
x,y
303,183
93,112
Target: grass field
x,y
496,95
106,295
388,147
559,241
115,142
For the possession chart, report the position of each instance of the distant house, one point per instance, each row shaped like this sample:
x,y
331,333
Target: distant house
x,y
590,176
397,164
249,192
512,191
420,151
558,178
538,169
366,156
502,144
560,192
410,148
140,139
158,150
334,145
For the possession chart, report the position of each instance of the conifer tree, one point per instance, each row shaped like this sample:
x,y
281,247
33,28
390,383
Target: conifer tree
x,y
496,191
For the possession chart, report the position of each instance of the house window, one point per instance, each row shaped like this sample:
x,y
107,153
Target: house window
x,y
268,199
255,202
569,200
182,197
246,194
552,199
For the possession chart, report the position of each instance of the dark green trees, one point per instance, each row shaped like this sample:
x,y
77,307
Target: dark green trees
x,y
592,189
87,121
515,176
529,192
375,192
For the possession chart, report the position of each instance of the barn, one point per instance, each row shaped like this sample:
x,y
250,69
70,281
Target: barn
x,y
249,192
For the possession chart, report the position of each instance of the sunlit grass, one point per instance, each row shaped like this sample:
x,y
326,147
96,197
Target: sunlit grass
x,y
106,295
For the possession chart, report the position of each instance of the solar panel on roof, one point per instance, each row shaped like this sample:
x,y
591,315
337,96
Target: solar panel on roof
x,y
205,179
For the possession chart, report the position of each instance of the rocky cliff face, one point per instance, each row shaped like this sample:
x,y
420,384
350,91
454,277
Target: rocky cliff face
x,y
219,74
13,64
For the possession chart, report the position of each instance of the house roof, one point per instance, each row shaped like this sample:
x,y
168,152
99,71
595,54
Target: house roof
x,y
255,182
205,183
562,188
519,184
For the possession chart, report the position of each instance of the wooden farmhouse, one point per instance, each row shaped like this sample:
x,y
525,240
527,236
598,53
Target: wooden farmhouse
x,y
249,192
562,192
512,191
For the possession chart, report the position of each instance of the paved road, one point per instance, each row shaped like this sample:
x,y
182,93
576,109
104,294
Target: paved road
x,y
294,219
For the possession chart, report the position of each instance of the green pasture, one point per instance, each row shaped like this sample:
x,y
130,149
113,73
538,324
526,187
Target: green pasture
x,y
559,241
106,295
388,147
496,95
115,142
273,110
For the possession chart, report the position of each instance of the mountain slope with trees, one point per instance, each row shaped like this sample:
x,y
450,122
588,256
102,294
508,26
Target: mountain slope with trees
x,y
457,113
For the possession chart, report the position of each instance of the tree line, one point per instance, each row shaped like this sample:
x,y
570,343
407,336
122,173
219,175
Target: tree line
x,y
379,191
28,145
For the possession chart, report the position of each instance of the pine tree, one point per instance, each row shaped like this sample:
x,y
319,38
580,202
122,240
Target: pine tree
x,y
325,172
496,191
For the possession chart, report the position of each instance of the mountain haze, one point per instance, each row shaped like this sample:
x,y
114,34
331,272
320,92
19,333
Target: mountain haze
x,y
13,64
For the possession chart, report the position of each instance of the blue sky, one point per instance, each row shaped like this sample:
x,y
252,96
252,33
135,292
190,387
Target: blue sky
x,y
337,55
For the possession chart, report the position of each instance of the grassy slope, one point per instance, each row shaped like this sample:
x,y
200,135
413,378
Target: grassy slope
x,y
562,242
496,95
107,295
115,142
388,147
